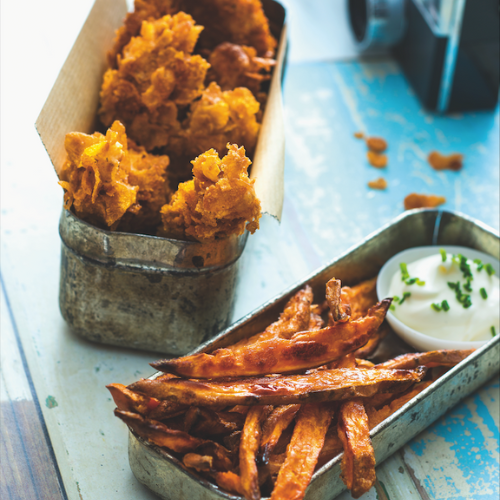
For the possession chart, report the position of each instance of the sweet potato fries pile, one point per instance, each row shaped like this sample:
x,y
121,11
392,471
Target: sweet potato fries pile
x,y
260,416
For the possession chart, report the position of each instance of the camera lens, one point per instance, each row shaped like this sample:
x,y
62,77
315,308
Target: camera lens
x,y
376,23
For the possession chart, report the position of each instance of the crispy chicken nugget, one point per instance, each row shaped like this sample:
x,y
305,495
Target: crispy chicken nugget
x,y
218,202
106,176
144,10
358,462
241,22
303,451
155,74
221,117
238,66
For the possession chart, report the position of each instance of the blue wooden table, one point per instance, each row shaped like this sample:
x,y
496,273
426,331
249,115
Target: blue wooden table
x,y
59,436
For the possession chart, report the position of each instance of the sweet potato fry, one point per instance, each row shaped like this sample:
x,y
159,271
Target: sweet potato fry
x,y
377,416
295,318
222,458
129,401
198,462
325,385
303,451
331,448
443,357
358,462
211,423
229,481
249,445
361,297
279,419
281,355
158,433
364,363
338,310
371,346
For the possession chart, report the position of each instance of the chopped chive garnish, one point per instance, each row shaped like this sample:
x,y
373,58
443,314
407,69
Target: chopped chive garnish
x,y
395,298
443,254
406,295
436,307
477,261
493,331
464,267
467,286
404,271
483,293
392,307
489,269
480,267
453,286
413,281
445,305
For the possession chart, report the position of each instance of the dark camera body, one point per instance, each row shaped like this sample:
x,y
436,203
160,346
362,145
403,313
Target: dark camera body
x,y
453,65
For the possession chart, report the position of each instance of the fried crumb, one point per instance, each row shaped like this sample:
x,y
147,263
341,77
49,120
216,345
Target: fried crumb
x,y
439,161
376,144
359,135
376,160
414,200
379,183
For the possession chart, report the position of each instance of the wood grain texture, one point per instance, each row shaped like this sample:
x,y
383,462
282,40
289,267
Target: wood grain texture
x,y
28,470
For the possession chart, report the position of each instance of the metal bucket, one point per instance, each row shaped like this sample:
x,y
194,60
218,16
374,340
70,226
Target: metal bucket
x,y
145,292
164,474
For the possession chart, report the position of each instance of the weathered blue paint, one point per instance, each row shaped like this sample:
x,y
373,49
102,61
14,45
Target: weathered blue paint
x,y
459,455
326,167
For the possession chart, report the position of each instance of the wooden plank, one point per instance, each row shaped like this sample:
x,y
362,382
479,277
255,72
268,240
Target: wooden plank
x,y
29,470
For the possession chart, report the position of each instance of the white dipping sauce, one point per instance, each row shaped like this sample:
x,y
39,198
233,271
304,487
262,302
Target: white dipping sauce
x,y
457,323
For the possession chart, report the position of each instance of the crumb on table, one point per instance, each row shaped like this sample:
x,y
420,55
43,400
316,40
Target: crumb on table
x,y
414,200
379,183
439,161
376,160
376,144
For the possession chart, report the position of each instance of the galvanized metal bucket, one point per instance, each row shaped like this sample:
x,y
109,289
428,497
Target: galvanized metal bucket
x,y
145,292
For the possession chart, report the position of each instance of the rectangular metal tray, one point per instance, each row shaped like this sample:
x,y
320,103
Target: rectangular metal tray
x,y
168,478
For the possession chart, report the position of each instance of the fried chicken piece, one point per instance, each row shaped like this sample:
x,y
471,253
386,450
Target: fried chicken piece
x,y
219,201
156,74
222,117
144,10
238,66
106,177
238,21
414,200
